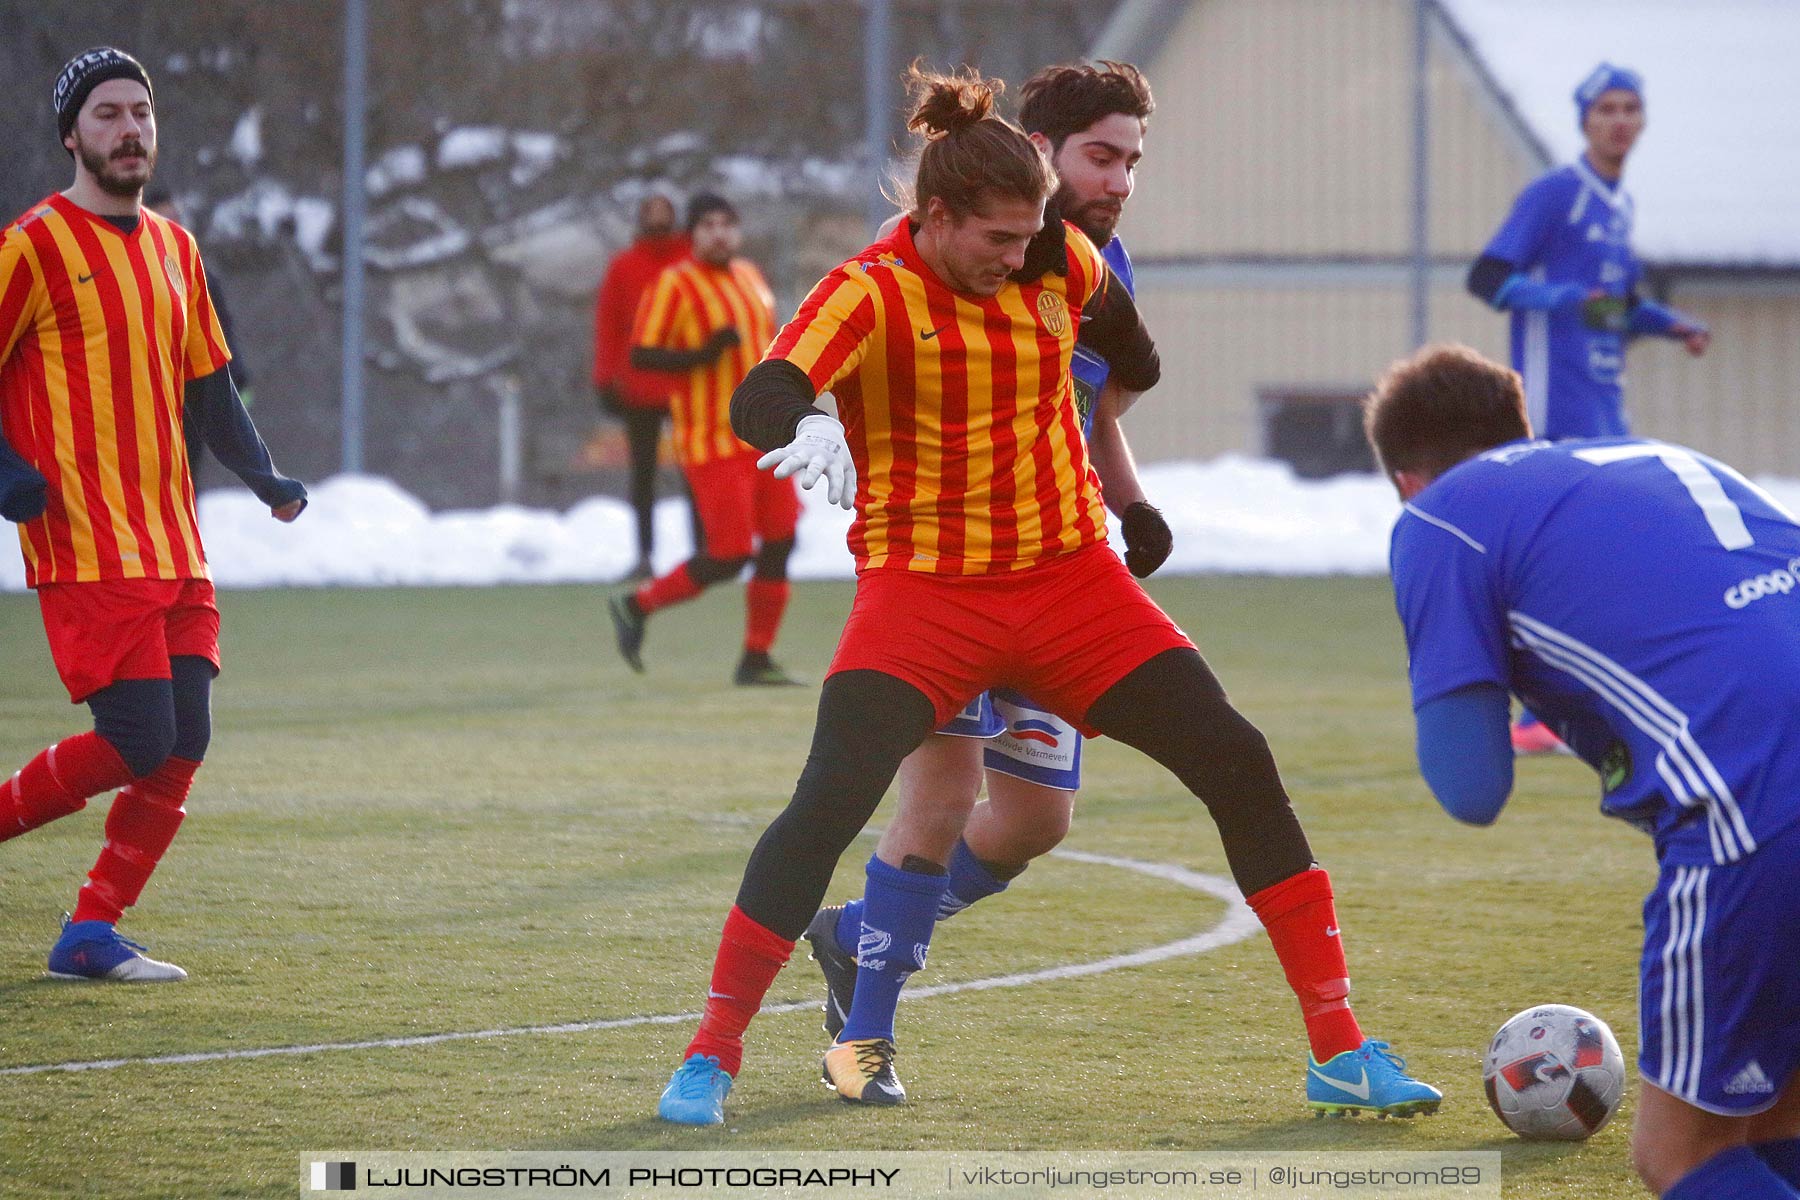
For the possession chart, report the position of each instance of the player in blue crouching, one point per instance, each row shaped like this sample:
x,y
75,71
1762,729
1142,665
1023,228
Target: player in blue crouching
x,y
1642,599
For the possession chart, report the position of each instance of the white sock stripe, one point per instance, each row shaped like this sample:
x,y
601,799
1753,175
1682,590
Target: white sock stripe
x,y
1653,713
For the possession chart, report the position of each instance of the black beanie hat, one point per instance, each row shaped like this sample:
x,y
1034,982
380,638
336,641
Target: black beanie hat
x,y
706,203
87,71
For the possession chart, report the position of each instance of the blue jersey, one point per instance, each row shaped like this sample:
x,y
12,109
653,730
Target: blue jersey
x,y
1089,369
1642,600
1571,226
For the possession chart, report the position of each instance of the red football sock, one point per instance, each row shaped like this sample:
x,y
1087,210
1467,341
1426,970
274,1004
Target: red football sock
x,y
139,828
58,782
764,602
674,588
749,957
1303,926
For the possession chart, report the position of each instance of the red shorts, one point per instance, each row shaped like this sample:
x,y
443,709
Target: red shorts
x,y
1062,633
118,629
739,505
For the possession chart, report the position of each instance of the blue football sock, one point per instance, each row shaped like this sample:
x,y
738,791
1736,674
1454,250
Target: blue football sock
x,y
849,926
969,882
1735,1174
899,910
1783,1158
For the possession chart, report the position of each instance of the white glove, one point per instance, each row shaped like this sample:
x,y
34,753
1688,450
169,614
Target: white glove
x,y
818,449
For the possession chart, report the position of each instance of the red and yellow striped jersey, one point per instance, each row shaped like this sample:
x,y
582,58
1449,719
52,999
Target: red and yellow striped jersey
x,y
959,410
687,304
99,332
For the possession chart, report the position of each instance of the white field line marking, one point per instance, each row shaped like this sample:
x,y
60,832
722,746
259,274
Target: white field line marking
x,y
1237,924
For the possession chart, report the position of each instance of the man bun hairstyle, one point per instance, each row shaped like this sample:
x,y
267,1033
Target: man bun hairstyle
x,y
1444,404
971,154
1070,97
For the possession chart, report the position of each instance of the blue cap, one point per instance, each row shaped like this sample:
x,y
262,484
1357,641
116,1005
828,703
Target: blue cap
x,y
1605,78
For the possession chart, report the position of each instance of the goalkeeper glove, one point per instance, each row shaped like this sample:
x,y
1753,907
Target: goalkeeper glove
x,y
818,449
1147,538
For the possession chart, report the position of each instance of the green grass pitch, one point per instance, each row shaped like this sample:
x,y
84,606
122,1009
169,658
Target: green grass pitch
x,y
441,811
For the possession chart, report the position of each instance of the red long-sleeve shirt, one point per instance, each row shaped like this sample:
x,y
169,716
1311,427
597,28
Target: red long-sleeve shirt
x,y
616,305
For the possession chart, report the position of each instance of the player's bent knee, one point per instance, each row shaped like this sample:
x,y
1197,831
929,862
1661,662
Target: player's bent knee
x,y
1655,1166
137,718
192,690
706,570
772,559
1671,1138
1024,820
868,721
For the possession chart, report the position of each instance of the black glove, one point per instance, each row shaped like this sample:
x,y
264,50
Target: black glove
x,y
1048,252
1147,538
23,497
721,341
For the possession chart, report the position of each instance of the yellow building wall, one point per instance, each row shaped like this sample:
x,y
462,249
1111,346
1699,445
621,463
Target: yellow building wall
x,y
1223,346
1739,403
1284,127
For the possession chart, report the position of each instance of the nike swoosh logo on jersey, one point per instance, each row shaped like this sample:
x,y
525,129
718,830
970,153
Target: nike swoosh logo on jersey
x,y
1360,1089
83,278
1331,931
925,336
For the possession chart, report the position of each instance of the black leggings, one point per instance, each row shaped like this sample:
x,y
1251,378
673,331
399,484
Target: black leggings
x,y
150,720
771,565
643,433
643,429
1172,708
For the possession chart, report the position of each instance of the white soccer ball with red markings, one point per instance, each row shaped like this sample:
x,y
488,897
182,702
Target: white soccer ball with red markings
x,y
1554,1072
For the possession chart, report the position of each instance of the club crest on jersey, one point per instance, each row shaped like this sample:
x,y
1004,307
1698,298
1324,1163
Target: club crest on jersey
x,y
1053,314
173,270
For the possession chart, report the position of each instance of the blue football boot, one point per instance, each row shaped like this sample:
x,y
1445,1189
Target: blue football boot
x,y
696,1092
1370,1078
94,950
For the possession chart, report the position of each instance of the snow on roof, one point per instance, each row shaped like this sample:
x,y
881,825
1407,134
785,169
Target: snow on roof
x,y
1717,174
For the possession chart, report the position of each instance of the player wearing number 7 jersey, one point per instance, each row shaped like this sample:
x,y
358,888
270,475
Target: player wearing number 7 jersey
x,y
1641,598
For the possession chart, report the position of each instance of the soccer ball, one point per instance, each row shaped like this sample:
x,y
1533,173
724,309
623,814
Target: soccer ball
x,y
1554,1072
